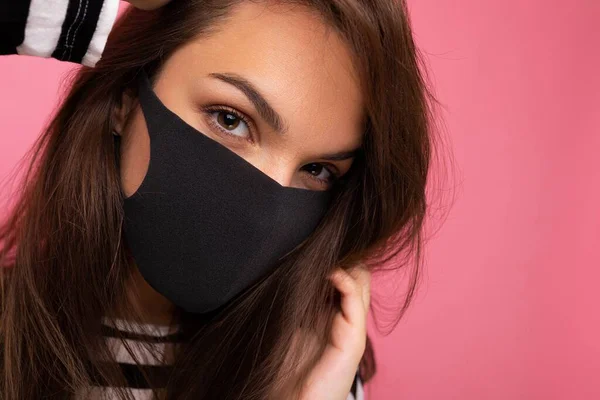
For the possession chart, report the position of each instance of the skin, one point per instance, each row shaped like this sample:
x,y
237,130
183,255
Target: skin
x,y
304,71
148,4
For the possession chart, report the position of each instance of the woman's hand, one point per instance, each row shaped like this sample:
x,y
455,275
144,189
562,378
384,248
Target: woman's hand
x,y
147,4
332,377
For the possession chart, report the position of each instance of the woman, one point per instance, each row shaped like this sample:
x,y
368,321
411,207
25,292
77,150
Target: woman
x,y
200,217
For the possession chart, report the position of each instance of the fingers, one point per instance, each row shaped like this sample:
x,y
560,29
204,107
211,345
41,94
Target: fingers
x,y
362,275
354,287
147,4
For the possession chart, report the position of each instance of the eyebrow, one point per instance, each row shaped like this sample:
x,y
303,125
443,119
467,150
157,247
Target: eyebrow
x,y
260,103
268,113
344,155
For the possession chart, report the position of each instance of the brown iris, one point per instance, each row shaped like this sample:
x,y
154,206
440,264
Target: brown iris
x,y
228,120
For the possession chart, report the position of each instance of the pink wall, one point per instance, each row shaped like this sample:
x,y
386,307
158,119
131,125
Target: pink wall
x,y
508,309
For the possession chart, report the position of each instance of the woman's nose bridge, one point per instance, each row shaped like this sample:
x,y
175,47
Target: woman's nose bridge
x,y
279,169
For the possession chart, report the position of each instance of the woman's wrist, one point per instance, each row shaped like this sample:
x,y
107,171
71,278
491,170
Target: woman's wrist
x,y
147,4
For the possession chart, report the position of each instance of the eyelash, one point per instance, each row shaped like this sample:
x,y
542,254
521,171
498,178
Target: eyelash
x,y
332,171
209,110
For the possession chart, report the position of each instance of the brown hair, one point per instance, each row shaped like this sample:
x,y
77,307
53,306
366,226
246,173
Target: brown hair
x,y
65,261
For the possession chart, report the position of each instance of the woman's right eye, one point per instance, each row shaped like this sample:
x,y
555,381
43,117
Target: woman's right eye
x,y
230,122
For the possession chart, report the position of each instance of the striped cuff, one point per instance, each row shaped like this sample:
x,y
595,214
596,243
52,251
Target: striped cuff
x,y
68,30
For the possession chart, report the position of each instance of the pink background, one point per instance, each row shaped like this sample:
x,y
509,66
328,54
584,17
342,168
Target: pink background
x,y
508,308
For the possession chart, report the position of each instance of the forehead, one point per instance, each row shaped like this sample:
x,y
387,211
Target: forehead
x,y
300,64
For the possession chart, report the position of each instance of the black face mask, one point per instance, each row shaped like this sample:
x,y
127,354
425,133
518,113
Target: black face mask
x,y
205,224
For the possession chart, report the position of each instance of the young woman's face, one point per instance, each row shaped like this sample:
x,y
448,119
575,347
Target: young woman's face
x,y
275,85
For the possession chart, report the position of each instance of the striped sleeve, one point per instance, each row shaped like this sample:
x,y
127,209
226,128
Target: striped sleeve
x,y
68,30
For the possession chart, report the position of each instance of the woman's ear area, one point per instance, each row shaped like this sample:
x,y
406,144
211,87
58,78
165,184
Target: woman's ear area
x,y
122,111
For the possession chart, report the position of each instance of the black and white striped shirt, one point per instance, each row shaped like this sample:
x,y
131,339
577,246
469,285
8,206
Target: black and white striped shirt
x,y
76,31
139,349
152,346
68,30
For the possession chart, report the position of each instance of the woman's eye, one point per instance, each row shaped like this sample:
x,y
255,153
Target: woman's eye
x,y
231,123
319,171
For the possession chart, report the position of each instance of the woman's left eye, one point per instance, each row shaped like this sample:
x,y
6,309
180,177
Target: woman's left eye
x,y
319,172
230,123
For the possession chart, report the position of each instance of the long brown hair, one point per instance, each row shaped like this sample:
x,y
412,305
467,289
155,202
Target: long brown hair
x,y
65,262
